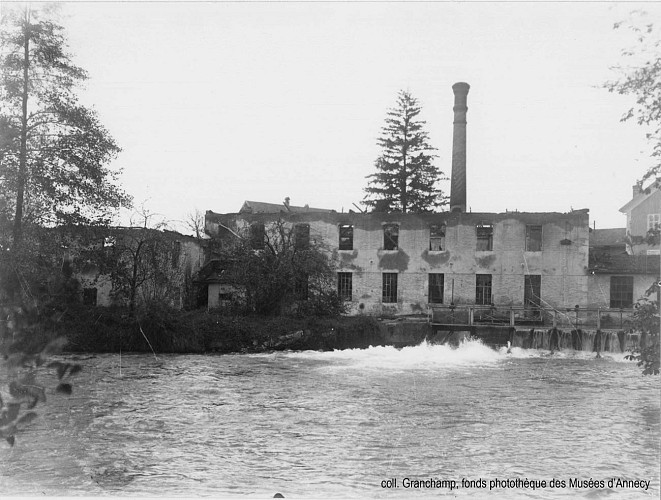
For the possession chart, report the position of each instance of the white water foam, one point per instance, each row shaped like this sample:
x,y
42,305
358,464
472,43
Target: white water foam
x,y
469,353
424,355
519,352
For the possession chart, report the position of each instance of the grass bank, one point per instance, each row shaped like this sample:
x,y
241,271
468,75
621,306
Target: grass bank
x,y
164,331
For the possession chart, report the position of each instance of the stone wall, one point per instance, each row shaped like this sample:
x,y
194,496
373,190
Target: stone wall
x,y
562,261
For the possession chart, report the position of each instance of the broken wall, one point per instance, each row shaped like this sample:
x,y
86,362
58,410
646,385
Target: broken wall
x,y
562,260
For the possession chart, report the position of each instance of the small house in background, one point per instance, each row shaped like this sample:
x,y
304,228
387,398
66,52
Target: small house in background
x,y
618,279
218,288
625,262
643,214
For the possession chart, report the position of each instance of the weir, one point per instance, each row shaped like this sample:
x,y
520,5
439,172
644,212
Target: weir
x,y
538,338
578,340
409,332
580,329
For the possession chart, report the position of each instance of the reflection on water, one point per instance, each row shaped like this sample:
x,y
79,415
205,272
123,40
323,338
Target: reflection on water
x,y
337,424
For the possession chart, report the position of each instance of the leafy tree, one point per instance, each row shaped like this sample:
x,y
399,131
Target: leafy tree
x,y
54,151
406,179
640,77
646,321
280,269
26,349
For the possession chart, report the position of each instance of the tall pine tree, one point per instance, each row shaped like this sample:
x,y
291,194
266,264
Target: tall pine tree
x,y
53,151
406,179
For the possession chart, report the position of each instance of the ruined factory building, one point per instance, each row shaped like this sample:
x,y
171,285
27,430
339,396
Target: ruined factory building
x,y
403,263
400,263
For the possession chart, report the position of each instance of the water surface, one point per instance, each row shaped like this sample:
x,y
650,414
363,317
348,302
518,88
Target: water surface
x,y
338,424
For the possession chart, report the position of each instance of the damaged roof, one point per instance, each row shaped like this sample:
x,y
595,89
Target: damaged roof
x,y
260,207
612,258
608,237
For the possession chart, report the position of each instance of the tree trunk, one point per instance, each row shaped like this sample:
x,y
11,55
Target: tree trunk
x,y
22,166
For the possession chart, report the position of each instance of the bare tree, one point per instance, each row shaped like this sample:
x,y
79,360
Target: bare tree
x,y
195,223
144,261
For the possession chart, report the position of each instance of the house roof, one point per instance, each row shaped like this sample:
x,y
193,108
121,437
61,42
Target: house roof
x,y
216,271
259,207
640,197
610,260
608,237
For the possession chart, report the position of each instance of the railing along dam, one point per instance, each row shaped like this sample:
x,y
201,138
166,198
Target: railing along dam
x,y
578,328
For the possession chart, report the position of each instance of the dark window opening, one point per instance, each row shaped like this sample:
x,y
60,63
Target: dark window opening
x,y
257,234
302,236
389,287
483,289
532,293
621,292
89,296
344,286
346,237
225,299
534,238
436,287
178,296
484,237
176,252
436,237
390,236
301,287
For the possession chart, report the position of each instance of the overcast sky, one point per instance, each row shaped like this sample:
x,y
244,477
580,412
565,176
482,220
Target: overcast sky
x,y
215,103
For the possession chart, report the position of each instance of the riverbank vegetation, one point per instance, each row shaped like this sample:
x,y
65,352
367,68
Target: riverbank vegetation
x,y
646,321
164,330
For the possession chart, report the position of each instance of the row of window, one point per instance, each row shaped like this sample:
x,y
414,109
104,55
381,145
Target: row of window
x,y
483,288
621,289
484,234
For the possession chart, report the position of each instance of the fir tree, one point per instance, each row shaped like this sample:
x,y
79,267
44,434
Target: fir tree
x,y
406,179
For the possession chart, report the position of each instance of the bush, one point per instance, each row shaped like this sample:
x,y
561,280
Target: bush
x,y
164,330
646,321
26,346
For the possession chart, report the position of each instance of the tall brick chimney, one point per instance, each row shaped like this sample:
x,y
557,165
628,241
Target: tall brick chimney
x,y
458,180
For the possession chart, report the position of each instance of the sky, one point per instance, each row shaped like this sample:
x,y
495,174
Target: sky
x,y
215,103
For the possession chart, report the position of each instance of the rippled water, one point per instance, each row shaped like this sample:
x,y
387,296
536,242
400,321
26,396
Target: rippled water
x,y
337,424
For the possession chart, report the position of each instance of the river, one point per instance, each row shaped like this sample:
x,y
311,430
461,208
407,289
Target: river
x,y
354,423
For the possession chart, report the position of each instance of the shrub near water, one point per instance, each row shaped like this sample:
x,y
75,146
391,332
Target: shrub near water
x,y
26,350
164,330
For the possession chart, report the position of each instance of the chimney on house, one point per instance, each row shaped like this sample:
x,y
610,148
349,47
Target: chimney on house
x,y
637,189
458,180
